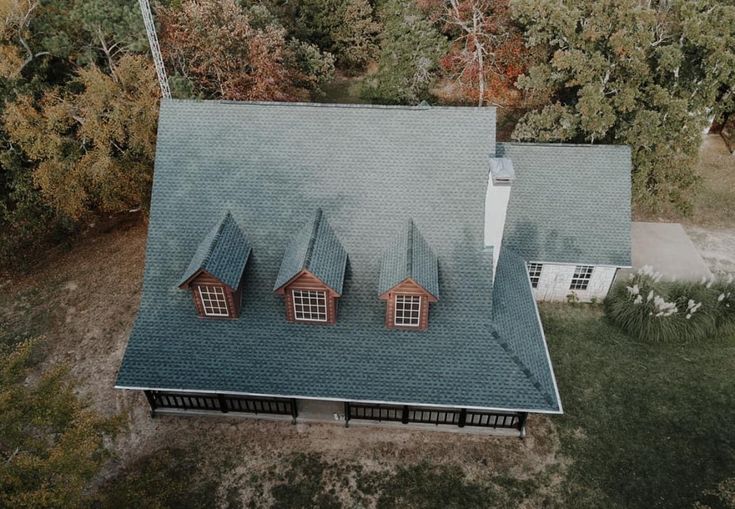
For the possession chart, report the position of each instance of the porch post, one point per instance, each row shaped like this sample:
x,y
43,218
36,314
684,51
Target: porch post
x,y
347,414
404,415
151,401
222,403
522,416
462,417
294,411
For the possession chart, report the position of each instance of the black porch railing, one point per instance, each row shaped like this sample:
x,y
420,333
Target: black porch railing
x,y
455,417
221,403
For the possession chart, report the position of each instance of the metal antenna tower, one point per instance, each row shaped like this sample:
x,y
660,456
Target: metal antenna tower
x,y
150,28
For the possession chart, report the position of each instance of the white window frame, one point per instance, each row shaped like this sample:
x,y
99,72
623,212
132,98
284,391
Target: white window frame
x,y
403,317
213,294
534,273
305,293
582,277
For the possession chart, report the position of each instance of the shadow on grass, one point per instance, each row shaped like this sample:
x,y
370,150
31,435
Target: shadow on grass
x,y
646,425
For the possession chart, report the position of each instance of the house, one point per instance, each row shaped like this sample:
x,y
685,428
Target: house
x,y
370,264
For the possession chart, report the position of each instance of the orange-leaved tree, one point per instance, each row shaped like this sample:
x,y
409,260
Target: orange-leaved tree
x,y
227,52
487,51
91,143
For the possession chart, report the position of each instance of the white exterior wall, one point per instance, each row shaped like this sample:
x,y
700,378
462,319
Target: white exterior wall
x,y
496,206
555,280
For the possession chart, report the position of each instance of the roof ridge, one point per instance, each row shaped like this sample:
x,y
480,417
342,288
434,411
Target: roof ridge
x,y
217,235
312,239
409,249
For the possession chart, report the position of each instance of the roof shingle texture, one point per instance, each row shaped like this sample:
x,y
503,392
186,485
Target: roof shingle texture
x,y
317,249
369,169
409,256
223,253
569,203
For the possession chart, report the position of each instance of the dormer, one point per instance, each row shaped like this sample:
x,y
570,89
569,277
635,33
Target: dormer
x,y
215,274
312,273
409,280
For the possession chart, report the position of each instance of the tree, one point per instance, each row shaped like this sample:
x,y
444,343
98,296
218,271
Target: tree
x,y
110,28
15,49
486,53
645,74
51,444
345,28
217,45
409,52
93,141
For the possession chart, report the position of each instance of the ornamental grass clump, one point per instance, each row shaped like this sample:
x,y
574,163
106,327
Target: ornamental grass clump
x,y
652,310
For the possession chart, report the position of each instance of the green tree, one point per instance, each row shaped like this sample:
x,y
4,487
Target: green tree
x,y
645,74
51,444
345,28
410,48
92,143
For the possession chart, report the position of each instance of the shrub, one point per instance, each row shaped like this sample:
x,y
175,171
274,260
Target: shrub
x,y
649,309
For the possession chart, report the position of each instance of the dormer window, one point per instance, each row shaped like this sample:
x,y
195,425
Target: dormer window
x,y
312,273
309,305
214,300
215,274
408,310
409,281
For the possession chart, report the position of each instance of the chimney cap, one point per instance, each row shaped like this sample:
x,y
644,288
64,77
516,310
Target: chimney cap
x,y
501,170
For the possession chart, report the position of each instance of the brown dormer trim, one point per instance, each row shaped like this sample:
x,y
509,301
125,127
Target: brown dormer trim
x,y
233,298
306,281
408,287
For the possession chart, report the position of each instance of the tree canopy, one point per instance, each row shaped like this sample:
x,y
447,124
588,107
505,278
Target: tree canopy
x,y
93,141
410,48
646,74
51,444
237,53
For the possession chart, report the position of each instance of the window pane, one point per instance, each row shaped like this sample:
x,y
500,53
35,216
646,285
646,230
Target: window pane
x,y
213,300
407,310
310,305
581,277
534,273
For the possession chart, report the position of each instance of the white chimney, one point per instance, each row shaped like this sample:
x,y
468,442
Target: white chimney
x,y
496,203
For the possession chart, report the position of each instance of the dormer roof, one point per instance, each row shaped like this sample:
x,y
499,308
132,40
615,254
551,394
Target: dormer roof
x,y
223,253
409,257
316,249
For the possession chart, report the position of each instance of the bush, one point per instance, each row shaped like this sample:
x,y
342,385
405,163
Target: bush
x,y
649,309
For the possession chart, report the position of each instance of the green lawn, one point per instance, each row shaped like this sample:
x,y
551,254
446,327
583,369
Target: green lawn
x,y
644,425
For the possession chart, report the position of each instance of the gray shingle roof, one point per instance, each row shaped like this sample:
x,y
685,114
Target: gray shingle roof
x,y
368,168
409,256
516,320
223,252
569,203
317,249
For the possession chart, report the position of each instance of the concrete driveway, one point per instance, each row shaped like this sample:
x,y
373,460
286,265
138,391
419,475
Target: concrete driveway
x,y
668,249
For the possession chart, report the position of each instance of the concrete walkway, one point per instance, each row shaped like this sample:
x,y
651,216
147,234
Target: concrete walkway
x,y
668,249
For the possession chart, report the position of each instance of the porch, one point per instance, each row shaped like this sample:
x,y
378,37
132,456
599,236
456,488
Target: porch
x,y
349,414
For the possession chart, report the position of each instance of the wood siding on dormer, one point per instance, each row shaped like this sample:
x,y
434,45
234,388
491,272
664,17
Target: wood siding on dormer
x,y
233,298
407,287
307,281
